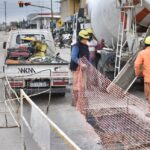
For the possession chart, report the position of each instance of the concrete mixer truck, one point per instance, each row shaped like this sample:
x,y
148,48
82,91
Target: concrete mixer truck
x,y
123,25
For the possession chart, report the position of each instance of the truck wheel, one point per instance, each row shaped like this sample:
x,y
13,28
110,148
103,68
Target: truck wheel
x,y
62,94
59,94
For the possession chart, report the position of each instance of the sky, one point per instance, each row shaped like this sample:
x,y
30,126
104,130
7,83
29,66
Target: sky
x,y
15,13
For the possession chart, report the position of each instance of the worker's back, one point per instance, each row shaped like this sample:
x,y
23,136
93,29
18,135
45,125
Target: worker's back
x,y
144,56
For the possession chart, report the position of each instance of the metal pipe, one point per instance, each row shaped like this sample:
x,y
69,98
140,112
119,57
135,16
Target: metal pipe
x,y
5,16
52,15
74,6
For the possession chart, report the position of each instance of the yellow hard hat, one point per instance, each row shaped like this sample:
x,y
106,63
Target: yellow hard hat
x,y
84,34
89,30
28,38
147,40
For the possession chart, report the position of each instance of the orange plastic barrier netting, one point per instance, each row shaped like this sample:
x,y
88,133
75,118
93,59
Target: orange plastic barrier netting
x,y
119,119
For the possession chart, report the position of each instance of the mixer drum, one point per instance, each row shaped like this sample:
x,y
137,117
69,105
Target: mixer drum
x,y
105,18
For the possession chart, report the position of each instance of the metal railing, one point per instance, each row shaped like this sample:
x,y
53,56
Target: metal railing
x,y
38,119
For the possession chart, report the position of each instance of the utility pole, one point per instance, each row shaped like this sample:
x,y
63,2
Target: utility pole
x,y
74,6
41,24
52,15
5,16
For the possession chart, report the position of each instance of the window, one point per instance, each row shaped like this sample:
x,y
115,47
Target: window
x,y
20,39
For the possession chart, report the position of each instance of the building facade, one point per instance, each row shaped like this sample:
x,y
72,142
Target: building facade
x,y
82,3
68,8
42,20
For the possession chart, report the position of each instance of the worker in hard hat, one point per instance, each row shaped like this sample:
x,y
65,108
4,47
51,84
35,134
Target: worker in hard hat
x,y
142,67
92,43
40,49
79,50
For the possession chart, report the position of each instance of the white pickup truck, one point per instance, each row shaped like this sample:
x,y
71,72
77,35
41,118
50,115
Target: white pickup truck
x,y
50,73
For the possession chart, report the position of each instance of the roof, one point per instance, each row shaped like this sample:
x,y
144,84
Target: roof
x,y
35,16
31,31
45,16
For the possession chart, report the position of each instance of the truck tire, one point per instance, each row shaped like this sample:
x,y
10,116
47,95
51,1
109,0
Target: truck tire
x,y
62,94
59,94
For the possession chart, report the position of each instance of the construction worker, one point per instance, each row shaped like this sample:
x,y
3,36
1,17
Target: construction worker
x,y
142,67
40,49
36,47
79,50
92,43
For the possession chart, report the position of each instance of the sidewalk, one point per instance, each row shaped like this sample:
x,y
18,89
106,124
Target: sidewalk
x,y
73,124
10,139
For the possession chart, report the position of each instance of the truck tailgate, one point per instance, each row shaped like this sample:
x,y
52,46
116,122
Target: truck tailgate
x,y
37,70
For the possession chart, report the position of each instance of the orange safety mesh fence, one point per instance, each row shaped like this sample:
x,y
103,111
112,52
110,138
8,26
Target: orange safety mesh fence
x,y
118,118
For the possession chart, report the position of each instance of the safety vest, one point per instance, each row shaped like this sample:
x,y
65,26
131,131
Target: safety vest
x,y
83,52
